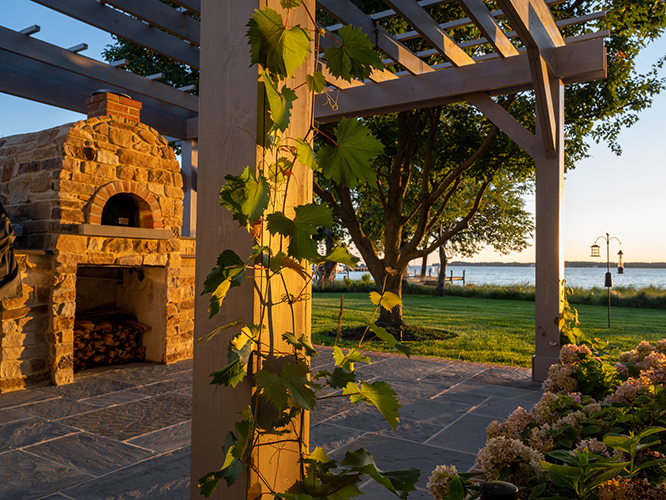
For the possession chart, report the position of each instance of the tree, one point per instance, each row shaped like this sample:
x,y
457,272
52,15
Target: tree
x,y
431,153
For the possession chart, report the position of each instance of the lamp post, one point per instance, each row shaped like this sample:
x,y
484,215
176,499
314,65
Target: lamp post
x,y
608,281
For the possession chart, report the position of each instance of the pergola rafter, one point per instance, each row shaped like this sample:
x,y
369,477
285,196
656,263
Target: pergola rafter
x,y
521,50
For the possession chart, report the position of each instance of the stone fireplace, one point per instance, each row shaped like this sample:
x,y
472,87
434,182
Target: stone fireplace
x,y
97,206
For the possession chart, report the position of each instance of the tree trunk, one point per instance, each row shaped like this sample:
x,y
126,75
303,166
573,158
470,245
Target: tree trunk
x,y
424,266
441,277
328,275
393,318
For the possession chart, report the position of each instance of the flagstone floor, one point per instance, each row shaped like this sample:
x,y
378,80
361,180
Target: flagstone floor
x,y
124,433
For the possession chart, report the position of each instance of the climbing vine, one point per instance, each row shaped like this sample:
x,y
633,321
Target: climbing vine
x,y
286,241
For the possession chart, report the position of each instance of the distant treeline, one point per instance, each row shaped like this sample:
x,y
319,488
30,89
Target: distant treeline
x,y
567,263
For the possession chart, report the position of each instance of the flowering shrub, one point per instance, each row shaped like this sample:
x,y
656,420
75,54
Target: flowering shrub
x,y
596,434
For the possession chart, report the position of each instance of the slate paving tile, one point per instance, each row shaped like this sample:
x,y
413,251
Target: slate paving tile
x,y
172,385
466,435
18,398
114,398
326,408
55,409
412,389
165,477
518,378
146,373
393,453
432,409
133,419
88,453
397,369
86,388
26,477
454,373
331,437
168,439
375,491
28,432
13,415
495,391
501,408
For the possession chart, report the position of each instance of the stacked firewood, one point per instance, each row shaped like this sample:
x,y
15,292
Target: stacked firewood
x,y
106,336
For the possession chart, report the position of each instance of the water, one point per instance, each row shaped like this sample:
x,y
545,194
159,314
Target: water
x,y
583,277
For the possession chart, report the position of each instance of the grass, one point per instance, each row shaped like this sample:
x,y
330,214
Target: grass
x,y
487,330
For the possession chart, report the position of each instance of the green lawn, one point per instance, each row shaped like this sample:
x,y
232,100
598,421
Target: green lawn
x,y
488,330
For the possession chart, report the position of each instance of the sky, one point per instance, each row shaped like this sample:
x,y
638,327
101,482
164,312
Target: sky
x,y
621,195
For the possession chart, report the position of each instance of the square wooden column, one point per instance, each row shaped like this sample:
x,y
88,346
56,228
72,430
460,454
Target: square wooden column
x,y
190,168
228,130
549,244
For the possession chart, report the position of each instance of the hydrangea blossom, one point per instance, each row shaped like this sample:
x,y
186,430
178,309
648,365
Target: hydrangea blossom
x,y
593,445
438,483
501,451
570,354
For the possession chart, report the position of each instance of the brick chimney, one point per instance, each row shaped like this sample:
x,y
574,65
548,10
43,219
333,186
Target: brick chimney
x,y
110,104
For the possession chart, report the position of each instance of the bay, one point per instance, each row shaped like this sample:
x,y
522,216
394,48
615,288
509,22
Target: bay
x,y
581,277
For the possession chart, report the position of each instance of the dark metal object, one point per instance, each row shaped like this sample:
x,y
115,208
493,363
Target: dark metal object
x,y
608,280
10,276
499,490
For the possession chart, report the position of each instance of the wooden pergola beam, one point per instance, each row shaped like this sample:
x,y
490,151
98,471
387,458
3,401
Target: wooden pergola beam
x,y
112,21
105,74
348,13
191,5
429,29
577,62
484,20
162,16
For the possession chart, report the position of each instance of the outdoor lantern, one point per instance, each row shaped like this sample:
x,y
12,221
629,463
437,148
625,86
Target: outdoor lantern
x,y
608,281
595,250
620,264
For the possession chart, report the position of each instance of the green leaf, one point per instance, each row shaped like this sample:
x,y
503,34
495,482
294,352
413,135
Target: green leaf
x,y
388,300
397,481
278,171
279,49
456,489
379,394
246,196
230,470
305,154
354,57
280,261
290,4
315,82
279,102
348,161
339,254
292,381
302,343
229,272
338,379
300,229
390,339
346,361
206,338
240,348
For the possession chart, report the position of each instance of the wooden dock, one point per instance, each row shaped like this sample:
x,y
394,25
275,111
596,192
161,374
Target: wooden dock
x,y
430,281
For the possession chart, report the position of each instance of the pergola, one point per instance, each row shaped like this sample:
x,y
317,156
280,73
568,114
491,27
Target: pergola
x,y
214,126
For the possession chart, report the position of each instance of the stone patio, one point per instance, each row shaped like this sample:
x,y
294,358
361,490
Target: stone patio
x,y
124,433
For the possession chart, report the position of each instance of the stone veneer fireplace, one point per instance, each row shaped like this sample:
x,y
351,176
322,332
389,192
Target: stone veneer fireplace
x,y
98,198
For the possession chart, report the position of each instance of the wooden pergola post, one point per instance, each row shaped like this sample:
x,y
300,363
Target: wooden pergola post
x,y
228,131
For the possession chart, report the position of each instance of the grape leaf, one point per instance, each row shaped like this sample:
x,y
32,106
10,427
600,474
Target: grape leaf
x,y
240,348
315,82
396,481
279,102
279,49
348,162
280,169
281,261
293,378
346,362
300,229
390,339
339,254
290,4
302,343
214,333
305,154
229,272
354,57
338,379
246,196
379,394
388,300
230,470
